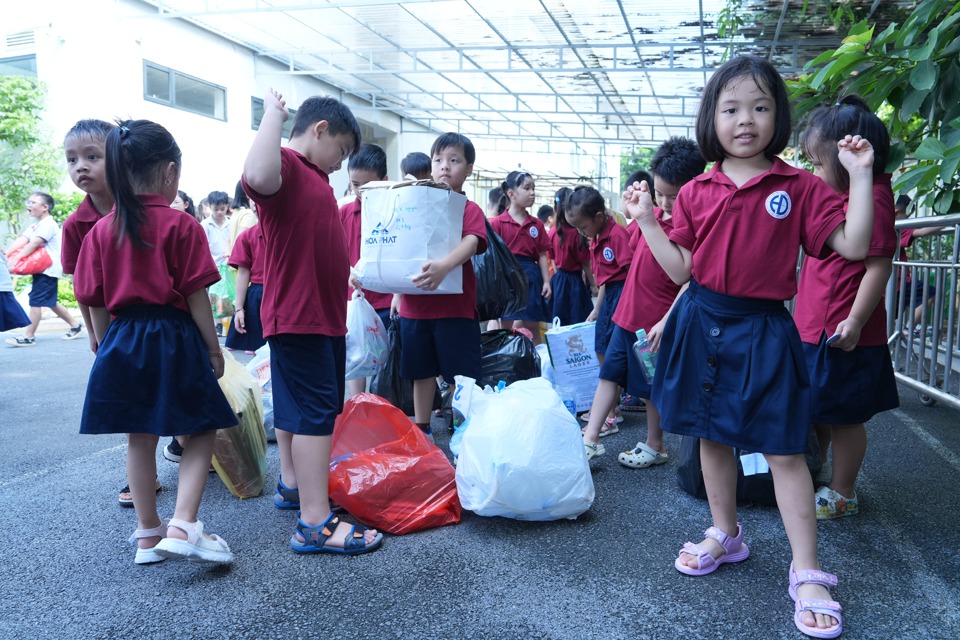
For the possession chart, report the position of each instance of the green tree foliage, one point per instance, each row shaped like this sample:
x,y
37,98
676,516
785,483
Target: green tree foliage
x,y
909,73
633,160
28,161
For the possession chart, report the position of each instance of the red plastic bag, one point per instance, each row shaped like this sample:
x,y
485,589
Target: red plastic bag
x,y
38,261
386,473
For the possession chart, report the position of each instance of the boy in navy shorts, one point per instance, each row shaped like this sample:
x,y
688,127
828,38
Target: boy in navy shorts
x,y
440,334
368,165
305,252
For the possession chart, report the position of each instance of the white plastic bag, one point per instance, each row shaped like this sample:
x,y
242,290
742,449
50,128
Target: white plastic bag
x,y
522,456
366,338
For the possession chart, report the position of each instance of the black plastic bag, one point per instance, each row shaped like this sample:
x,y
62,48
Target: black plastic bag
x,y
508,356
755,489
502,285
387,383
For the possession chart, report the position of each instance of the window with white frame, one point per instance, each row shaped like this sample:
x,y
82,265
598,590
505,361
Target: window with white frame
x,y
256,115
181,91
19,66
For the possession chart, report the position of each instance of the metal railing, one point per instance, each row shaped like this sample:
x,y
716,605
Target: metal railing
x,y
923,323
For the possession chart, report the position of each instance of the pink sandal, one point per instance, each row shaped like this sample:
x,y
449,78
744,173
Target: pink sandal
x,y
149,556
830,608
734,551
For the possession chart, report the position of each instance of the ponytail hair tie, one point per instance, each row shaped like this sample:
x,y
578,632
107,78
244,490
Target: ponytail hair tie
x,y
124,131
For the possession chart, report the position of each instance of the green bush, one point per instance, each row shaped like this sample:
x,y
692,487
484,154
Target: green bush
x,y
64,289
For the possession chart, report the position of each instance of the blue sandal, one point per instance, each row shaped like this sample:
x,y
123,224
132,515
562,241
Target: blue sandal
x,y
286,497
315,538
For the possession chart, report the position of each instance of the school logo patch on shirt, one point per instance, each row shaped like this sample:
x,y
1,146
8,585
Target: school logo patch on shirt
x,y
534,232
608,254
778,204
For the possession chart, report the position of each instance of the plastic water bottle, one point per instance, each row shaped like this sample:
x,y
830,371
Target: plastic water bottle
x,y
569,398
646,357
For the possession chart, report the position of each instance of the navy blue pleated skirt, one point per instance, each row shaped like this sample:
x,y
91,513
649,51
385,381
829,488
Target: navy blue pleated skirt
x,y
12,315
253,338
571,297
152,375
849,387
732,370
605,326
537,309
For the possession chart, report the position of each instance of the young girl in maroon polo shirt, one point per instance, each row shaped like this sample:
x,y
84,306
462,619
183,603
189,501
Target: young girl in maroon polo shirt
x,y
527,239
851,376
648,295
731,369
570,295
143,272
610,256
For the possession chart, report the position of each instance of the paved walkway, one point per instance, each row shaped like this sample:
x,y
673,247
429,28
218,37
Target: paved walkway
x,y
68,572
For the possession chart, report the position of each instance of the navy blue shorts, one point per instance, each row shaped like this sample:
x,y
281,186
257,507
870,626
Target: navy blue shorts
x,y
621,366
43,293
446,346
732,370
571,297
538,309
604,328
253,338
849,387
152,374
307,372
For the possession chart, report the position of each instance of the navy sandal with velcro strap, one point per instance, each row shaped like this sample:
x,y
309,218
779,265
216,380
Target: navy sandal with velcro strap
x,y
315,538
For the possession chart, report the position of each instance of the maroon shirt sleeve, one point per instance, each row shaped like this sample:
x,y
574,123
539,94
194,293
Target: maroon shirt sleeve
x,y
474,224
88,277
242,254
190,262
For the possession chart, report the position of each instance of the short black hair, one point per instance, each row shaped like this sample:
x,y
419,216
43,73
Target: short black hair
x,y
678,161
451,139
828,124
97,129
904,202
240,199
544,212
494,196
217,198
47,199
369,157
340,119
638,176
416,164
767,78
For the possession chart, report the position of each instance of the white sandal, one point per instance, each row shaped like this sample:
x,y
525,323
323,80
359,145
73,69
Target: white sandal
x,y
197,547
149,556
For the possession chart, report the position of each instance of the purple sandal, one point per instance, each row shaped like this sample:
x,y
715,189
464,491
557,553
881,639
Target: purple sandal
x,y
830,608
735,551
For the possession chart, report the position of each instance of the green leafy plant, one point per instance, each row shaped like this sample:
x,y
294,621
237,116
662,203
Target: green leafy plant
x,y
909,73
28,161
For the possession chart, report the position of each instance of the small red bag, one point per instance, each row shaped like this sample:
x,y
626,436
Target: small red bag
x,y
37,262
385,472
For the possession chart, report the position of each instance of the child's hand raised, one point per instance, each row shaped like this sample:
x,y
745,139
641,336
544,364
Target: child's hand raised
x,y
637,201
855,153
274,101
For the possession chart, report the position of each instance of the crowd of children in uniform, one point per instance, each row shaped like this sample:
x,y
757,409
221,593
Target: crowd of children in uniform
x,y
704,268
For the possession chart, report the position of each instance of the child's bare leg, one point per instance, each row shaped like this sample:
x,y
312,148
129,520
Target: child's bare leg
x,y
532,327
424,390
720,478
794,491
824,437
192,479
849,449
64,314
288,474
311,457
142,476
357,385
654,431
604,400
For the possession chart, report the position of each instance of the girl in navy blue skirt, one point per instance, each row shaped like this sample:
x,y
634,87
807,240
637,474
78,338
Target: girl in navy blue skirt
x,y
143,272
841,315
571,254
731,369
527,239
